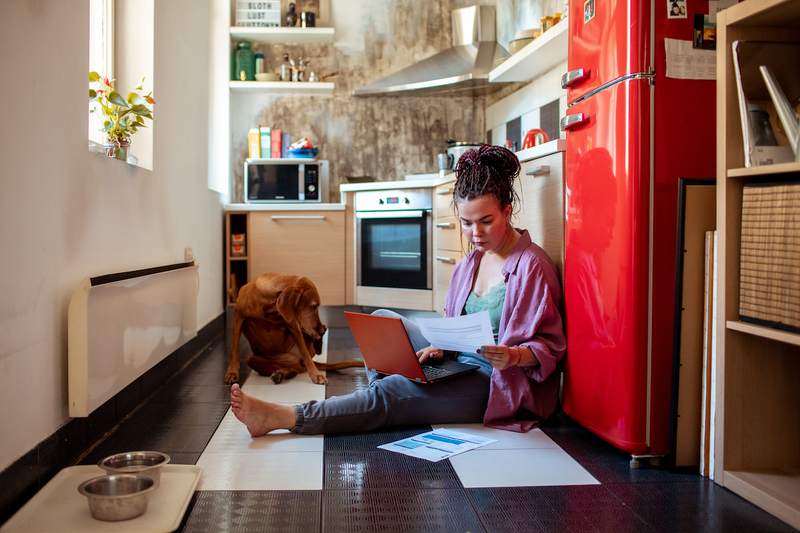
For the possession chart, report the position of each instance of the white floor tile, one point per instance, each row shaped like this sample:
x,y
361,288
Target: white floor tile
x,y
506,440
299,389
519,468
261,471
232,437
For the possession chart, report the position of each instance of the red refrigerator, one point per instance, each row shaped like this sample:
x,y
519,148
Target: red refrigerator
x,y
631,135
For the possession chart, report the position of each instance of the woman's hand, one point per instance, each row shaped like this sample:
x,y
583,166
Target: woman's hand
x,y
429,353
501,357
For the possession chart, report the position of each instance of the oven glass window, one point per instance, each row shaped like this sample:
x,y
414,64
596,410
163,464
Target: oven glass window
x,y
394,252
272,182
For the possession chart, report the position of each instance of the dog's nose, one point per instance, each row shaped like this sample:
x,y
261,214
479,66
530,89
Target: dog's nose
x,y
322,330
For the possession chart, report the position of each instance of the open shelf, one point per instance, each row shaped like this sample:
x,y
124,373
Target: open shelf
x,y
297,88
283,35
536,58
763,331
780,168
776,491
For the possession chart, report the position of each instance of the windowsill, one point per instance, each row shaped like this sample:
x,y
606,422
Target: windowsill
x,y
99,149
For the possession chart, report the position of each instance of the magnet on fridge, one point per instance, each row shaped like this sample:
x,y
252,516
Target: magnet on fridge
x,y
588,11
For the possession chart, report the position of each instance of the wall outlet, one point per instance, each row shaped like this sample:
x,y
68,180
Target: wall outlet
x,y
188,254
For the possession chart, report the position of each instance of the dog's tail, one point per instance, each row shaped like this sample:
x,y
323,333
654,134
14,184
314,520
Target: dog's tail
x,y
350,363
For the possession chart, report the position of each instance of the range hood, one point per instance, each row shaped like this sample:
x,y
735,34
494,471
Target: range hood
x,y
462,69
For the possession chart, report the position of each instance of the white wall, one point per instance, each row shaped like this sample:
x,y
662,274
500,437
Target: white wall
x,y
525,103
66,214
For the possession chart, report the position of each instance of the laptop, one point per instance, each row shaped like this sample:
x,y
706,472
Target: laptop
x,y
386,348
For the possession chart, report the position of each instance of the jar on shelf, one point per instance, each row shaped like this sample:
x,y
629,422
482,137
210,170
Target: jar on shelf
x,y
259,63
245,62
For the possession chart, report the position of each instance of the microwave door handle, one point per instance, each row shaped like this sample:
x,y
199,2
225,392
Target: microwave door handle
x,y
298,217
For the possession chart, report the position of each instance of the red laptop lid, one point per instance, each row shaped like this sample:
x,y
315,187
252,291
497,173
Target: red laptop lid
x,y
384,343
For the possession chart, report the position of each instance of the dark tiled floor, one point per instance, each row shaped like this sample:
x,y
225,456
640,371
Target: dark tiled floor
x,y
369,490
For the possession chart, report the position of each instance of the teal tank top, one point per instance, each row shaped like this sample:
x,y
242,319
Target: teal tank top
x,y
492,301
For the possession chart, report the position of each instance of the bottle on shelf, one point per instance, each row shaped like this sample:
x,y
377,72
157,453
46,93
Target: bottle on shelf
x,y
245,62
259,63
286,69
291,16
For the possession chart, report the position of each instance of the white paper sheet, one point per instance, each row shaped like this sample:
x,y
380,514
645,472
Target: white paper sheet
x,y
687,63
465,333
437,444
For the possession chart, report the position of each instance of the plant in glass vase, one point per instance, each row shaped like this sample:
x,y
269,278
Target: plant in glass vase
x,y
121,117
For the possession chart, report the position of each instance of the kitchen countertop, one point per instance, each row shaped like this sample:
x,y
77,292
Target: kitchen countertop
x,y
535,152
296,206
398,184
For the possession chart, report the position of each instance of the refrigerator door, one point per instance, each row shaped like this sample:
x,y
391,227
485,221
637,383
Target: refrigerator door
x,y
606,263
607,40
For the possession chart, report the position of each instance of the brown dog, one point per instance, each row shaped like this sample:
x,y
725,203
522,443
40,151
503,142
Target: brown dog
x,y
279,315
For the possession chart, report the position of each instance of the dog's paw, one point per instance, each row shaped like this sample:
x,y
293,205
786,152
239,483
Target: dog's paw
x,y
231,377
319,379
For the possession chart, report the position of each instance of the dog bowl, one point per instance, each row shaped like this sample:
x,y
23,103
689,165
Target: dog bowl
x,y
118,496
145,463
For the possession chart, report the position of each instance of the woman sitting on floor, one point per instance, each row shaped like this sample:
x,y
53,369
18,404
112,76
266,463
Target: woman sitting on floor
x,y
516,386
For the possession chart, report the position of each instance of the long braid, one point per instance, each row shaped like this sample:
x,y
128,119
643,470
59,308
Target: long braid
x,y
488,169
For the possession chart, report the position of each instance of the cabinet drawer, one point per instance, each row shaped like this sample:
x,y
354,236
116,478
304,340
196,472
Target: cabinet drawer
x,y
443,200
444,261
541,191
303,243
447,234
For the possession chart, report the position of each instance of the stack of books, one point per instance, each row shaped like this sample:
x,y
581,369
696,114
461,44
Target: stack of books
x,y
267,143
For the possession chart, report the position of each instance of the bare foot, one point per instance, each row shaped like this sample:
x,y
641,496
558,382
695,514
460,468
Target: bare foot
x,y
259,416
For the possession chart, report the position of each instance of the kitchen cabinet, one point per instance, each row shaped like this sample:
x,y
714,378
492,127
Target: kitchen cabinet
x,y
303,242
448,248
541,192
757,367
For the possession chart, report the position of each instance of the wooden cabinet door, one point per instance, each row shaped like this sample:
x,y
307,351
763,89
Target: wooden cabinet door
x,y
303,243
443,200
444,261
541,192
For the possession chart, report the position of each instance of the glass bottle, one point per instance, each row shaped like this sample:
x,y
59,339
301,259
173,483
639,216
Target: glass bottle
x,y
291,16
245,62
286,69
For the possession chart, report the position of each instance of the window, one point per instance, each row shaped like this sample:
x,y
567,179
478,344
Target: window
x,y
101,53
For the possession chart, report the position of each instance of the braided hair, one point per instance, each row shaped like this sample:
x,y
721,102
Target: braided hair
x,y
488,169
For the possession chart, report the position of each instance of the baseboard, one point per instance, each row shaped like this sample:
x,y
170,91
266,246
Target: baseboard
x,y
29,473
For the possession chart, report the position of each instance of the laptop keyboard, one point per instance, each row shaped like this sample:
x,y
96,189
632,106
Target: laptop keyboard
x,y
434,372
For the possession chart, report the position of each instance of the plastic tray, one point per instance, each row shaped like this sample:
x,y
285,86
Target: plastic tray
x,y
59,507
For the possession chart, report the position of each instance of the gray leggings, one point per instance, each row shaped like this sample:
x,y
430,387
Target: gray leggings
x,y
397,401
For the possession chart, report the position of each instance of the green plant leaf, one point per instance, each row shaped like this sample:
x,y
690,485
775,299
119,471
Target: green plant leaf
x,y
94,76
92,93
117,99
134,98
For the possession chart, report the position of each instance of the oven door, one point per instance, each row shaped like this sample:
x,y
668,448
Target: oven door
x,y
394,249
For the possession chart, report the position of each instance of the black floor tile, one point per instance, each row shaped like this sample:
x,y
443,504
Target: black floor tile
x,y
243,511
381,469
163,438
368,442
399,510
179,413
189,393
181,458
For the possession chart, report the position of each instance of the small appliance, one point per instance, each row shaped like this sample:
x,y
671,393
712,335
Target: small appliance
x,y
282,180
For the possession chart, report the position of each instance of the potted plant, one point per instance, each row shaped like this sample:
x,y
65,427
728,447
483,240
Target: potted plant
x,y
122,117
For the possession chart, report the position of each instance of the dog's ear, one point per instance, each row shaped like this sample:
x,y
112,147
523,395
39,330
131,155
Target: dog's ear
x,y
288,303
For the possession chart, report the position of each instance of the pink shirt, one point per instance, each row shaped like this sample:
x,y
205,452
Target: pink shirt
x,y
520,397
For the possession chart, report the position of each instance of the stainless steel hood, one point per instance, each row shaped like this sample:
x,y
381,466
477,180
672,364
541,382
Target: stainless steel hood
x,y
462,69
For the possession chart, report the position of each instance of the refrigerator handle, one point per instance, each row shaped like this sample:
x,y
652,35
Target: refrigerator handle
x,y
574,77
569,122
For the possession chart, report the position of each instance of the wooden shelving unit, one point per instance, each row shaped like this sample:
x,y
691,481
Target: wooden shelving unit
x,y
237,267
536,58
283,35
757,433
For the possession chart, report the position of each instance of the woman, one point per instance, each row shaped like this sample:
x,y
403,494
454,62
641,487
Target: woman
x,y
516,385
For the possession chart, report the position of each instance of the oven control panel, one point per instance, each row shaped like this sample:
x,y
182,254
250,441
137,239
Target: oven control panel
x,y
390,200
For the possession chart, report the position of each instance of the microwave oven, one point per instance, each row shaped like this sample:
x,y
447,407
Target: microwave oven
x,y
285,180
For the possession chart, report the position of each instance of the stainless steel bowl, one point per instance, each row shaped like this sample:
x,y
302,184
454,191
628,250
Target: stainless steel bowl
x,y
145,463
117,497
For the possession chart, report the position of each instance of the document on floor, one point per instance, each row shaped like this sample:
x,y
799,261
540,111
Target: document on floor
x,y
465,333
437,444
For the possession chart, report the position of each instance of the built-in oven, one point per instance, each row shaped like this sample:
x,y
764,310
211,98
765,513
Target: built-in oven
x,y
393,238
